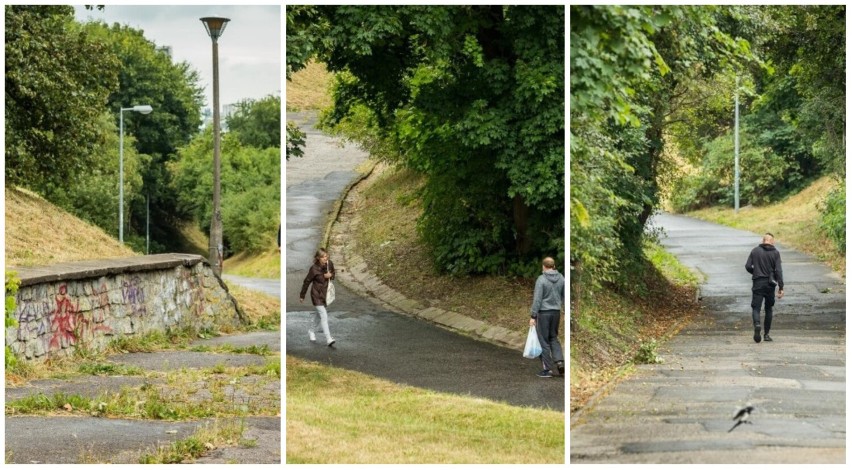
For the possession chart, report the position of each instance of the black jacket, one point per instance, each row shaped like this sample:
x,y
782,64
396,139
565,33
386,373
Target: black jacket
x,y
765,261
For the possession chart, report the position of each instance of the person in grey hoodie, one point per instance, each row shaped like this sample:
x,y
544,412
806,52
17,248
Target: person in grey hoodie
x,y
764,264
548,298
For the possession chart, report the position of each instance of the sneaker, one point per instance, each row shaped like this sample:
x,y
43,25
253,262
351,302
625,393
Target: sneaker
x,y
311,335
561,366
757,334
766,337
545,374
331,342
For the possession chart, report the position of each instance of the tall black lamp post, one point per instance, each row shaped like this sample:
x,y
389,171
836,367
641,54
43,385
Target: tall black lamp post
x,y
215,27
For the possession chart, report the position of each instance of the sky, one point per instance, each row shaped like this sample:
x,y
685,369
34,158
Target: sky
x,y
249,49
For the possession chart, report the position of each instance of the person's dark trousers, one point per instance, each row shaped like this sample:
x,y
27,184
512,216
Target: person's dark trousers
x,y
762,292
547,327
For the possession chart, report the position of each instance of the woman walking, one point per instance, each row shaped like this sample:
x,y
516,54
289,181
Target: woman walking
x,y
318,278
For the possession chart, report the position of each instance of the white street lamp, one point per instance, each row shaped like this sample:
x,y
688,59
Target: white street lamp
x,y
143,109
215,27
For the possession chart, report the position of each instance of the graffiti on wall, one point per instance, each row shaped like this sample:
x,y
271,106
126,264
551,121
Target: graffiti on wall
x,y
133,295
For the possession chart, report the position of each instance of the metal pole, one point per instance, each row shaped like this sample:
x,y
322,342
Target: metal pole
x,y
216,222
148,224
121,177
737,147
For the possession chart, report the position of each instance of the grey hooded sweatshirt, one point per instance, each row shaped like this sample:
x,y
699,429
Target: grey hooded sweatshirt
x,y
549,292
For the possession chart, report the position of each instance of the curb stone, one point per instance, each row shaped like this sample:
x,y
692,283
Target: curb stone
x,y
354,273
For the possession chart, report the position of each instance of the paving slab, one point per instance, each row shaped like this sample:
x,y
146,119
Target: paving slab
x,y
680,411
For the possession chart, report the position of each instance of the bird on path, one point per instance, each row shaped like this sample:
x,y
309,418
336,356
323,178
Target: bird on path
x,y
742,416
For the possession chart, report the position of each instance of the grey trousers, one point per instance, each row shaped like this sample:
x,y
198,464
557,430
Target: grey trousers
x,y
547,327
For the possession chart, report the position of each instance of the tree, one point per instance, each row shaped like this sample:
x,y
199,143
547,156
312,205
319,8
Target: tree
x,y
257,123
58,78
472,97
149,76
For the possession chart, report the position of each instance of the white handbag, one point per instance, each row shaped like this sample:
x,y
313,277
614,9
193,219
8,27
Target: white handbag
x,y
329,294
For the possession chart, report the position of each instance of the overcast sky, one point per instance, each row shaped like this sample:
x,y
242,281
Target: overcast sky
x,y
249,49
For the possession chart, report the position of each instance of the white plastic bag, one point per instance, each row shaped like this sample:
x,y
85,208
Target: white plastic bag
x,y
329,294
533,348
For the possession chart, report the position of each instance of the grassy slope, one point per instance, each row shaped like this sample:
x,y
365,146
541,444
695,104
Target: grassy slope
x,y
612,325
264,265
387,237
39,233
308,88
334,415
794,222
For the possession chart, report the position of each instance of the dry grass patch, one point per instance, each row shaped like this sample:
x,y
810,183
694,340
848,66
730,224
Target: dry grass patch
x,y
388,205
794,222
263,265
38,233
338,416
309,88
263,311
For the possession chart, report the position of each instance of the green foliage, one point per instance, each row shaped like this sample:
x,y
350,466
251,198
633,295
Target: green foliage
x,y
251,190
12,285
295,141
833,217
58,78
257,123
469,96
647,353
149,76
762,173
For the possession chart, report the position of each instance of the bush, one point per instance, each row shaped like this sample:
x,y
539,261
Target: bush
x,y
833,218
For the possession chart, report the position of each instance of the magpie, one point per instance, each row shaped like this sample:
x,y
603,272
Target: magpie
x,y
742,416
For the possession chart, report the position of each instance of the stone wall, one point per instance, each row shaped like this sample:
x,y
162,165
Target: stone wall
x,y
87,304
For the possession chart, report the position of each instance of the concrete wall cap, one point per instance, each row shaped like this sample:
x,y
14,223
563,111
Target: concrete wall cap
x,y
103,267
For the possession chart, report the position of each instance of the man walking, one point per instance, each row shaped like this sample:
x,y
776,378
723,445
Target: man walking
x,y
764,264
548,298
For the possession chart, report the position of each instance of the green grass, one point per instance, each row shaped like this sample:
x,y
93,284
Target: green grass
x,y
221,433
106,368
175,395
339,416
670,267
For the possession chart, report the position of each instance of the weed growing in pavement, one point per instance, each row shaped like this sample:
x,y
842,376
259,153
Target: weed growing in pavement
x,y
108,368
224,433
262,350
648,353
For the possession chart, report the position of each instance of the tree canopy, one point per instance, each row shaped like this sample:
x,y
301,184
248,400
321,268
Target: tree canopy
x,y
471,97
652,110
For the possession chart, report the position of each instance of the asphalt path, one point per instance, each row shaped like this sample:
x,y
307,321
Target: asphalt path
x,y
680,411
59,439
271,287
370,338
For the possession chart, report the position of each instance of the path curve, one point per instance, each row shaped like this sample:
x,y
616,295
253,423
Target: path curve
x,y
680,411
371,338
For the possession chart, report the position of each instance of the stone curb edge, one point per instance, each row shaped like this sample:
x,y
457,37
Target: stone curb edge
x,y
357,277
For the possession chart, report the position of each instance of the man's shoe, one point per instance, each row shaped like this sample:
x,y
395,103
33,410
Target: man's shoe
x,y
561,367
331,342
311,335
545,374
766,337
757,334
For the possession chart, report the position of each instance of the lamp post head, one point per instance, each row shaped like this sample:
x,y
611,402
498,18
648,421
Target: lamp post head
x,y
143,108
215,26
